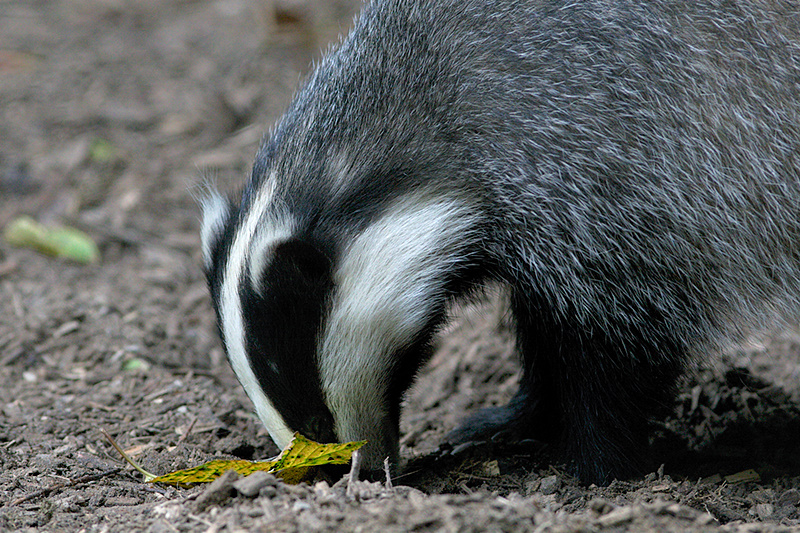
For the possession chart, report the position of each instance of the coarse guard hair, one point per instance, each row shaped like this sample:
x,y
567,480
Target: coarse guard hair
x,y
627,168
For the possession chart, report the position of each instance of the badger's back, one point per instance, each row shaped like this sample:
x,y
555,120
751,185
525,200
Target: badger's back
x,y
628,157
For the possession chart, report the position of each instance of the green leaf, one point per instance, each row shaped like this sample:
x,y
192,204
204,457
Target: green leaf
x,y
58,241
103,151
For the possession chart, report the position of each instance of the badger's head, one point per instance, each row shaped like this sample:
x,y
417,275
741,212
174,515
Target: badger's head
x,y
326,327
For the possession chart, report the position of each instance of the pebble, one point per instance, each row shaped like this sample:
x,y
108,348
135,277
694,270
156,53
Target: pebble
x,y
681,511
601,506
763,510
616,517
251,485
300,505
790,497
549,485
217,492
113,501
160,526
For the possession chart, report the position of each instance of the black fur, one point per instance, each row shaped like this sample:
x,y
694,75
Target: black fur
x,y
283,317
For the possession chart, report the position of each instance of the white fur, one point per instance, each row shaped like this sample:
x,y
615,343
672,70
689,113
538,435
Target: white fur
x,y
387,282
215,213
254,235
263,242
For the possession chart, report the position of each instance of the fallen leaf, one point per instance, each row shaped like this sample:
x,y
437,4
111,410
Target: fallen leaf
x,y
293,465
102,151
211,470
744,476
57,241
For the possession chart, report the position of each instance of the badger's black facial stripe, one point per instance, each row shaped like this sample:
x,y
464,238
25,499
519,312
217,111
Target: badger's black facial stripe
x,y
282,318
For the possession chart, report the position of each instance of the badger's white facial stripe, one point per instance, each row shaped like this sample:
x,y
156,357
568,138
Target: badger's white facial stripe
x,y
215,212
263,242
258,220
387,283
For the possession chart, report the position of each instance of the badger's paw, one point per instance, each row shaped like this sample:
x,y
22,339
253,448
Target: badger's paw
x,y
522,419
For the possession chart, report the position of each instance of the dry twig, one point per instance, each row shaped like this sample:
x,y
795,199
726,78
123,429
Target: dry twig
x,y
64,484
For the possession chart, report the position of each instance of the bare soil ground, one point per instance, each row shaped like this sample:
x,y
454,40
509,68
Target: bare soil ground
x,y
110,110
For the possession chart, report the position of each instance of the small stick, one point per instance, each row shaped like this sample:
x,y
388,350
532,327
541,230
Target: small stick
x,y
188,430
355,467
388,474
69,483
355,470
147,475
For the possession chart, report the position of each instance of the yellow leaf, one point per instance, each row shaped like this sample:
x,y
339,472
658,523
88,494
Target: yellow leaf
x,y
304,452
293,465
211,470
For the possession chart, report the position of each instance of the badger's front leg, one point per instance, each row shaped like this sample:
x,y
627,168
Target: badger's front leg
x,y
587,393
610,388
534,412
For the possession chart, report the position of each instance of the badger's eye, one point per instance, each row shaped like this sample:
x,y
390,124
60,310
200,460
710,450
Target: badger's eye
x,y
320,429
315,427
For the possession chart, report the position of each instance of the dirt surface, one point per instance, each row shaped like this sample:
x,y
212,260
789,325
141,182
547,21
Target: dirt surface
x,y
110,111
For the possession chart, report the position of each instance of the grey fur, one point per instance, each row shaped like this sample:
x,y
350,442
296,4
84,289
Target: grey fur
x,y
634,167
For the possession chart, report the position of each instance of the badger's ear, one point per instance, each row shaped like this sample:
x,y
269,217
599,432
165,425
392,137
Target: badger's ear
x,y
216,212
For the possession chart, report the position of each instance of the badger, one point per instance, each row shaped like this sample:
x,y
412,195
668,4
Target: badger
x,y
627,169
